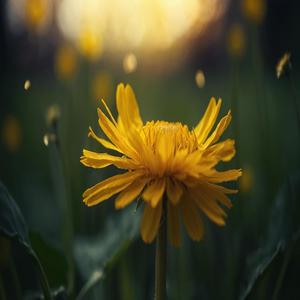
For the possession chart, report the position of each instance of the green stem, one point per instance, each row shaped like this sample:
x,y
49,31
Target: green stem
x,y
161,259
2,289
294,96
15,279
42,277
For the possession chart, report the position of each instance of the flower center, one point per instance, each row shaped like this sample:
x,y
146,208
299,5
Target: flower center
x,y
172,135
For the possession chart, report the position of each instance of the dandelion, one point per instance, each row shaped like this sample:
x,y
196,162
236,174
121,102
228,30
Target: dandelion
x,y
283,65
254,10
36,13
236,40
102,85
90,44
172,167
246,181
65,62
11,133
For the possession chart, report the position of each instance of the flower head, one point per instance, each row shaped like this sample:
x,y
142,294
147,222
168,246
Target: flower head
x,y
254,10
236,40
169,165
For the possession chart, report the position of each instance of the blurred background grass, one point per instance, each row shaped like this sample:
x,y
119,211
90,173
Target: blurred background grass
x,y
176,55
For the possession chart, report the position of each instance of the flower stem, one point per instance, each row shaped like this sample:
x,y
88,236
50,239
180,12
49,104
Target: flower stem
x,y
161,258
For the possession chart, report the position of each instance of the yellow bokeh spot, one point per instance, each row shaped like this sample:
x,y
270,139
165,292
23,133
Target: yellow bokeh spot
x,y
254,10
236,40
129,63
65,62
27,85
35,13
90,44
102,86
200,78
11,133
246,181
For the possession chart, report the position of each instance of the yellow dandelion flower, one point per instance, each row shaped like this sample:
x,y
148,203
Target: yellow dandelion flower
x,y
246,181
254,10
90,44
236,40
11,133
35,13
102,85
169,165
65,62
283,64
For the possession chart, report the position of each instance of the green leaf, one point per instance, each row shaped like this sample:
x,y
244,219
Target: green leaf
x,y
13,226
283,229
12,223
96,255
53,261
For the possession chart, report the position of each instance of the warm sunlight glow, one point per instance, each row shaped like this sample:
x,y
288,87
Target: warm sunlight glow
x,y
139,24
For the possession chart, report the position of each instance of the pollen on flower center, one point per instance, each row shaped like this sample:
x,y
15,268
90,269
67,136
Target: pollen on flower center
x,y
175,136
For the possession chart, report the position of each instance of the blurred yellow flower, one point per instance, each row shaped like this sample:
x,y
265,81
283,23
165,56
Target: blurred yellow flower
x,y
246,181
35,13
236,40
11,133
169,165
65,62
102,86
283,64
90,44
254,10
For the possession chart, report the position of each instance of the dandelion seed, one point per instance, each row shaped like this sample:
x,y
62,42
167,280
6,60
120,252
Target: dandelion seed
x,y
27,85
200,79
129,63
49,138
169,165
283,65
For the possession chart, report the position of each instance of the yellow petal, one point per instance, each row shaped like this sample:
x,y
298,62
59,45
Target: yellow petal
x,y
191,219
130,194
109,187
207,122
208,205
222,126
103,142
128,108
173,225
150,222
112,132
101,160
174,191
224,151
154,192
229,175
